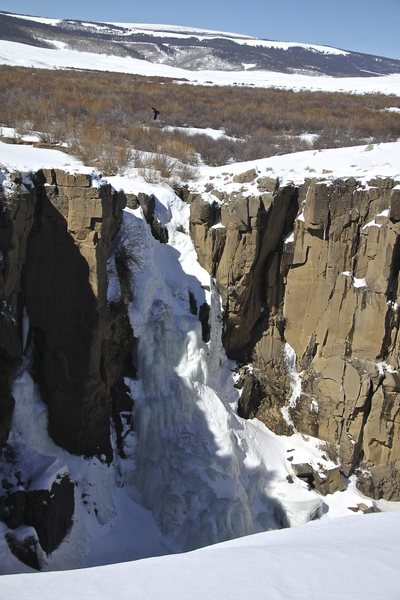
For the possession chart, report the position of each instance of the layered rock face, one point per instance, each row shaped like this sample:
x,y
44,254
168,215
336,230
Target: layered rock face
x,y
57,233
79,341
316,294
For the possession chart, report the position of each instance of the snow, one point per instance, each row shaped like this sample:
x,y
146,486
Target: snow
x,y
394,109
215,134
16,54
384,213
289,238
27,158
288,45
362,162
353,558
109,524
290,360
175,30
372,223
44,20
10,132
218,226
309,138
358,282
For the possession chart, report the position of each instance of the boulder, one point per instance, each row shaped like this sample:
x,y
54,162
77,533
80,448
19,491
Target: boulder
x,y
24,544
246,176
324,481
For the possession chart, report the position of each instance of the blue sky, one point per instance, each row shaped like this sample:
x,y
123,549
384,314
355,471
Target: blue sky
x,y
370,26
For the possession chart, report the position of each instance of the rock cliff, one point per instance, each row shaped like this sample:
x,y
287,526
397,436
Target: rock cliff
x,y
57,232
309,281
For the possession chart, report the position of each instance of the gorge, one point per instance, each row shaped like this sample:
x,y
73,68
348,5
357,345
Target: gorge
x,y
229,396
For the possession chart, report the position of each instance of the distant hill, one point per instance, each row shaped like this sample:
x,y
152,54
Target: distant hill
x,y
193,49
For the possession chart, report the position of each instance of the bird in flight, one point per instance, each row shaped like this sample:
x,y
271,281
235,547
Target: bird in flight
x,y
156,113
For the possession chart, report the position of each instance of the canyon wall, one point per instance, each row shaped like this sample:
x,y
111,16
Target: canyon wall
x,y
308,277
309,281
57,233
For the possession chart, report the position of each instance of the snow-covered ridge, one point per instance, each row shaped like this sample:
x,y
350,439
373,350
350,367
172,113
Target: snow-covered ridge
x,y
44,20
180,31
177,30
288,45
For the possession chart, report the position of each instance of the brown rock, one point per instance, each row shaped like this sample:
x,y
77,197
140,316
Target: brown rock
x,y
267,184
246,176
394,212
328,481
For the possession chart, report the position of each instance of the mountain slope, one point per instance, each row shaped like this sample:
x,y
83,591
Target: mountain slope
x,y
193,49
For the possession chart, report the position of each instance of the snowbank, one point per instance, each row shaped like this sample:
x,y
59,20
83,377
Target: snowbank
x,y
348,558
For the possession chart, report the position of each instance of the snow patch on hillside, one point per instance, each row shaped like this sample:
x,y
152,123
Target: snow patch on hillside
x,y
16,54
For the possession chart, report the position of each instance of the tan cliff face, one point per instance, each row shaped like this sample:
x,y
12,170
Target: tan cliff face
x,y
57,239
326,284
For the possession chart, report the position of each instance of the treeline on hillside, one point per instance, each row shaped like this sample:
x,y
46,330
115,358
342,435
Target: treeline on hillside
x,y
102,116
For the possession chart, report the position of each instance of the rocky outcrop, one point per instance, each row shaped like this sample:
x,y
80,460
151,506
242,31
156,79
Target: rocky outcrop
x,y
37,502
148,205
325,481
321,287
49,512
239,244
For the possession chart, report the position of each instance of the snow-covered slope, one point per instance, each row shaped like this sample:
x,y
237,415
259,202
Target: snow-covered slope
x,y
351,558
198,56
16,54
362,162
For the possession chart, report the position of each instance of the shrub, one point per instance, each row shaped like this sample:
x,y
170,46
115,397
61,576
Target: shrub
x,y
102,115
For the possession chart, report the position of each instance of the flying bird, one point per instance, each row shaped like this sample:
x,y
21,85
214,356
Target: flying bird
x,y
156,113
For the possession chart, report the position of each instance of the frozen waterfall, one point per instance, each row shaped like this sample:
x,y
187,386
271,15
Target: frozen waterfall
x,y
193,465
